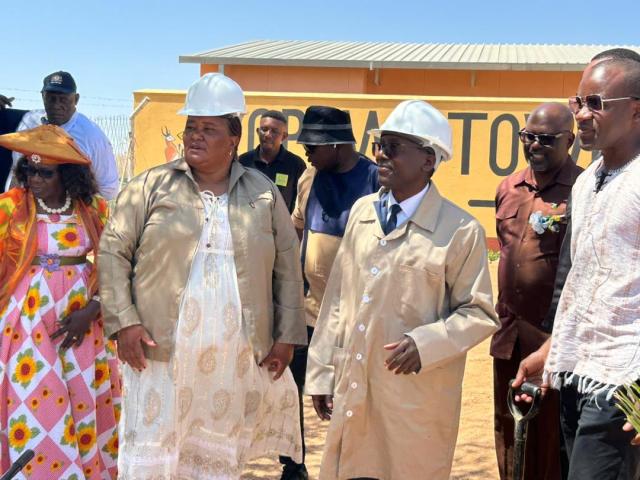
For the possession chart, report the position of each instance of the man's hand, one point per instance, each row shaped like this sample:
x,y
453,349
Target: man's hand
x,y
130,342
323,405
404,357
5,102
278,359
76,325
530,370
629,428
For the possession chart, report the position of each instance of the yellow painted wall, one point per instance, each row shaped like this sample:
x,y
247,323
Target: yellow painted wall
x,y
469,179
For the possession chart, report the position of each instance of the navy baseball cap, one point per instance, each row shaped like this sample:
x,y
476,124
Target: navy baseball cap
x,y
61,82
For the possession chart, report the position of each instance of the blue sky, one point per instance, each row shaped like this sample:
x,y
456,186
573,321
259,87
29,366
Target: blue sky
x,y
115,47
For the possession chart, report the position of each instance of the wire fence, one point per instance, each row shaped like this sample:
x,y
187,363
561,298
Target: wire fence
x,y
117,128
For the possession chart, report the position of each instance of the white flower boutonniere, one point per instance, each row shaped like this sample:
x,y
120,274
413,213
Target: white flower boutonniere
x,y
540,223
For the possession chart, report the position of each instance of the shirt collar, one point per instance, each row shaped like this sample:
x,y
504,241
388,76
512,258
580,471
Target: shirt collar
x,y
426,215
236,171
277,158
564,176
409,205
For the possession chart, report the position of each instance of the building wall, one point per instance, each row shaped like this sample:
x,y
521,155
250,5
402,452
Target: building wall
x,y
485,143
482,83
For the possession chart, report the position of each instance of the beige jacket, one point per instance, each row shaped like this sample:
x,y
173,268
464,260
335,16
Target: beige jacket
x,y
320,253
148,245
428,279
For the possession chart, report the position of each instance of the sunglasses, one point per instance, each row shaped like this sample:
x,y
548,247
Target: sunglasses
x,y
45,173
391,150
544,139
594,102
309,149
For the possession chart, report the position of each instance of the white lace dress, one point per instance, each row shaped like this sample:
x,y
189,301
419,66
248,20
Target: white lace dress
x,y
212,408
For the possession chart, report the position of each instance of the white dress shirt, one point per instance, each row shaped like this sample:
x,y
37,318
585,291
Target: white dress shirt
x,y
91,140
408,206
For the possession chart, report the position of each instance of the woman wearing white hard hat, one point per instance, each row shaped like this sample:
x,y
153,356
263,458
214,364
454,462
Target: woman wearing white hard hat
x,y
202,287
409,294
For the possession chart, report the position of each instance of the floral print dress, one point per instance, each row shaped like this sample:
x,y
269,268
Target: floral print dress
x,y
62,405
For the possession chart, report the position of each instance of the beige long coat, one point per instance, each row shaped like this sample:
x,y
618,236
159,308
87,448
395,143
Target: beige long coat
x,y
428,279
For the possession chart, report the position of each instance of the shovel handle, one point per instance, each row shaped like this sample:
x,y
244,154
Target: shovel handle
x,y
530,389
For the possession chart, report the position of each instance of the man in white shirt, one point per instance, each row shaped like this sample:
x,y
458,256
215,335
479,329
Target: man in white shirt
x,y
594,351
60,99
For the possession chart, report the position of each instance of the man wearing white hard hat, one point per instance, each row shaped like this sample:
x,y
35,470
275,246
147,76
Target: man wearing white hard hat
x,y
408,295
201,285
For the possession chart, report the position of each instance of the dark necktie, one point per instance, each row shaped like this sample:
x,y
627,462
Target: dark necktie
x,y
392,222
601,179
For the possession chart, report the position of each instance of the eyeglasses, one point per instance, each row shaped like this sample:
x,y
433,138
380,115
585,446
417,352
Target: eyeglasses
x,y
273,131
309,149
544,139
391,150
45,173
191,131
594,102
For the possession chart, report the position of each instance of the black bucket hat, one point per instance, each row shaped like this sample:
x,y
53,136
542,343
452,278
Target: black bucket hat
x,y
326,126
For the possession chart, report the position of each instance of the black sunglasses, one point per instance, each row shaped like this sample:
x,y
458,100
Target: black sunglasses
x,y
544,139
594,102
391,150
31,171
309,149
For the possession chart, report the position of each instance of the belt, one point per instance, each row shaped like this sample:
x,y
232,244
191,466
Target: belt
x,y
53,262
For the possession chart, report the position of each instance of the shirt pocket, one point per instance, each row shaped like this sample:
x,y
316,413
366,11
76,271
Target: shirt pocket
x,y
262,206
507,220
418,294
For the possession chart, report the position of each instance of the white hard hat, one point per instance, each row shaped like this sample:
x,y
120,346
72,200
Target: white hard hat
x,y
422,123
214,95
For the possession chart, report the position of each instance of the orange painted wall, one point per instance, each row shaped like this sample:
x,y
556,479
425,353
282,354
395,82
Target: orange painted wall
x,y
487,83
294,79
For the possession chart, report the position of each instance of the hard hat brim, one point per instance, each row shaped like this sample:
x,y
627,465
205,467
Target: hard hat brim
x,y
425,141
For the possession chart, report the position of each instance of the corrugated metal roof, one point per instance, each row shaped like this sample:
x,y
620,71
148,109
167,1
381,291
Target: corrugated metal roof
x,y
403,55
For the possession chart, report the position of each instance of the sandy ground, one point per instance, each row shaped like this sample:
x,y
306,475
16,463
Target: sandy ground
x,y
475,455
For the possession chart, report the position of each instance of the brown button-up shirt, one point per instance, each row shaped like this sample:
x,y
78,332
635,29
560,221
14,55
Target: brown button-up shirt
x,y
528,260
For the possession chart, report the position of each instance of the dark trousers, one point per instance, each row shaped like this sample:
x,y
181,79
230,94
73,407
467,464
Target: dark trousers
x,y
598,448
543,455
298,368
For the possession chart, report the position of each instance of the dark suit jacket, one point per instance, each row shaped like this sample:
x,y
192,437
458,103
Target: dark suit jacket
x,y
9,121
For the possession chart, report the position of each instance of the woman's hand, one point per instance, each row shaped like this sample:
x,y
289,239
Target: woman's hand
x,y
130,342
278,359
76,325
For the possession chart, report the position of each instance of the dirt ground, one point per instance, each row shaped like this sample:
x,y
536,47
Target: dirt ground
x,y
475,456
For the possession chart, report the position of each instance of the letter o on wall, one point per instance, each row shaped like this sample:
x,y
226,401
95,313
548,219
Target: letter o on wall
x,y
493,145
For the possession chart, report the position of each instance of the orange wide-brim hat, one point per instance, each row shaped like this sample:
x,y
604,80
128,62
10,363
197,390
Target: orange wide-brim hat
x,y
47,144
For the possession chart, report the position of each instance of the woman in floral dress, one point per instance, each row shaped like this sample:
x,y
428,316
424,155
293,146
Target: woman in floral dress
x,y
59,386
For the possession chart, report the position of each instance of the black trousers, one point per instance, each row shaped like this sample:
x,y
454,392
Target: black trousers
x,y
298,368
597,446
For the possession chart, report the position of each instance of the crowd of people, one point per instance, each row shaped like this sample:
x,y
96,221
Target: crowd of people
x,y
224,287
